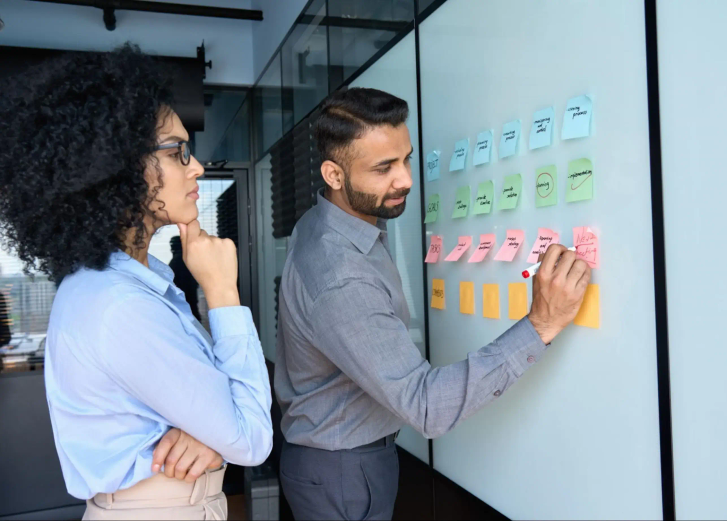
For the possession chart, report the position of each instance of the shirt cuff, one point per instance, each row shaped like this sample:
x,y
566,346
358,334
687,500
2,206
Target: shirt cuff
x,y
230,321
522,346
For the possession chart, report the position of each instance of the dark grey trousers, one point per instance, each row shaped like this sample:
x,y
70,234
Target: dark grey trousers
x,y
342,484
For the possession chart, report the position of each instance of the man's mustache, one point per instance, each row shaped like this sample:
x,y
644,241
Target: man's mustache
x,y
397,195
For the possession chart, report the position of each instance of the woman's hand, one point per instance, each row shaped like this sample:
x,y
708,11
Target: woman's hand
x,y
183,457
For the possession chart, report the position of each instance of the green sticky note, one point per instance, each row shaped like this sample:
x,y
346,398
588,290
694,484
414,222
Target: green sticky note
x,y
510,192
432,209
462,202
580,180
546,186
485,196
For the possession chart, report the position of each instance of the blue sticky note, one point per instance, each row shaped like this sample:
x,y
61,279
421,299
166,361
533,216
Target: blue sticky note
x,y
433,165
541,135
460,155
510,139
577,118
483,148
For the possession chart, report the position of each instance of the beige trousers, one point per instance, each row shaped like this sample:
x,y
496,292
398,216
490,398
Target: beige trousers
x,y
160,497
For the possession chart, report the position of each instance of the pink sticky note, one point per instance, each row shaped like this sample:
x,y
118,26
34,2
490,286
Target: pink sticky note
x,y
586,243
463,244
487,242
435,248
512,244
546,237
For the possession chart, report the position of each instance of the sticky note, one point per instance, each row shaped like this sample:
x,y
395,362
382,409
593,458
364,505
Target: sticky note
x,y
460,155
491,301
487,242
435,248
589,314
483,148
580,181
510,139
541,134
546,237
467,298
512,244
438,293
511,189
461,202
546,186
517,300
577,118
432,209
463,244
484,198
586,244
433,165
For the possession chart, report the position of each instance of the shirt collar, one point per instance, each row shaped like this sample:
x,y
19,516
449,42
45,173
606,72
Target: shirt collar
x,y
158,276
363,235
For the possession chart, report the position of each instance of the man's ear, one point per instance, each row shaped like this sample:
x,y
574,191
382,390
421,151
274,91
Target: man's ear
x,y
332,175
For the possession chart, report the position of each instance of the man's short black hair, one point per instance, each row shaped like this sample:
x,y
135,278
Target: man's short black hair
x,y
347,115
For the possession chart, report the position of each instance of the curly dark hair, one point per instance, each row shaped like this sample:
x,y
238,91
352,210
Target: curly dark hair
x,y
76,136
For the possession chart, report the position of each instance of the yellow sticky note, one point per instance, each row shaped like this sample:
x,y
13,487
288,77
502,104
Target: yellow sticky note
x,y
438,293
467,298
491,300
518,297
589,314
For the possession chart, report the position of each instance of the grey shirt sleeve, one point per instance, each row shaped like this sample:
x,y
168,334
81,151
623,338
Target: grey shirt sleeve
x,y
355,326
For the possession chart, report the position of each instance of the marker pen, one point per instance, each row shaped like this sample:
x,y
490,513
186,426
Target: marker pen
x,y
532,270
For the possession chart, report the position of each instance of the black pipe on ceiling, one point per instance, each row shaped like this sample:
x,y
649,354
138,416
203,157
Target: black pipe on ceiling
x,y
164,7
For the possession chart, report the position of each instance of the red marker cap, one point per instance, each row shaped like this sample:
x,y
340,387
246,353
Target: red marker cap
x,y
526,274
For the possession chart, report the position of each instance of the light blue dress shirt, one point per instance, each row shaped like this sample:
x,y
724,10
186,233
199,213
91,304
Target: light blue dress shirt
x,y
126,360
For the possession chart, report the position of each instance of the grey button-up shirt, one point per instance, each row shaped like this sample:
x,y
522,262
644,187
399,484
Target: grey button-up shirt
x,y
347,372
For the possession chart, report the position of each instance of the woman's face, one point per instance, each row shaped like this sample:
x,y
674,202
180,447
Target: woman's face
x,y
176,201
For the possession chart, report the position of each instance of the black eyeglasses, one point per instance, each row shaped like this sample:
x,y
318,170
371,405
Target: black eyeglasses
x,y
185,150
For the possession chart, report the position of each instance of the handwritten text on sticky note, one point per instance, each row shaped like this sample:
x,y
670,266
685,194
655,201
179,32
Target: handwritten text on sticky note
x,y
460,155
577,118
484,198
461,202
586,244
510,139
541,134
487,242
463,244
438,293
546,186
432,209
433,165
483,148
580,180
511,189
546,237
435,248
512,244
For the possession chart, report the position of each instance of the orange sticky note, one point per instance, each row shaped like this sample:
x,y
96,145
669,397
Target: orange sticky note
x,y
491,300
518,300
590,312
438,293
467,298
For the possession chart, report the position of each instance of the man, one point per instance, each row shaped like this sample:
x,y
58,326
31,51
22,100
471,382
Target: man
x,y
348,376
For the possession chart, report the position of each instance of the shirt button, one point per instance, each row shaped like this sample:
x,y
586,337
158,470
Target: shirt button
x,y
531,359
497,393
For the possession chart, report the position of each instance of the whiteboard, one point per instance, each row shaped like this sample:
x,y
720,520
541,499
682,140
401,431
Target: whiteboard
x,y
693,70
578,435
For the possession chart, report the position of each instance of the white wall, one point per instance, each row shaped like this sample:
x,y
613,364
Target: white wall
x,y
228,43
279,16
692,80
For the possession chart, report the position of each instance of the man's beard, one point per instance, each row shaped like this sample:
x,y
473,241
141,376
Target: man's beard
x,y
364,203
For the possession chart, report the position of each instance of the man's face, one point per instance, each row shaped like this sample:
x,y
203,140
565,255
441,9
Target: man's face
x,y
378,177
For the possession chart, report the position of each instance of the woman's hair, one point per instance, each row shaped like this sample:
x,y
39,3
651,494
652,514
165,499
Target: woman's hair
x,y
76,136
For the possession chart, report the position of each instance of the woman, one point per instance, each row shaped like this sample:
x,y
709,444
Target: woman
x,y
94,161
